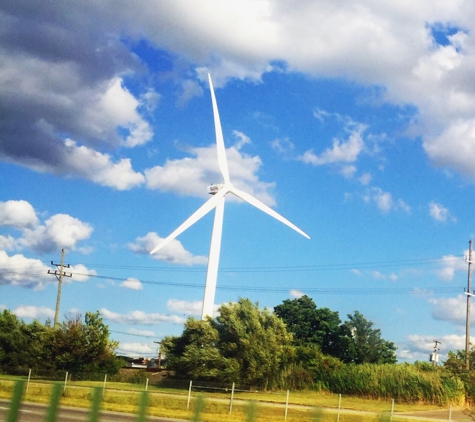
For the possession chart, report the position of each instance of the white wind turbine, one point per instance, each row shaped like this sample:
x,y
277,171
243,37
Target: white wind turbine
x,y
219,193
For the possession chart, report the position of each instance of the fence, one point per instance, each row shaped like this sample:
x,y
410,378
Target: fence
x,y
194,403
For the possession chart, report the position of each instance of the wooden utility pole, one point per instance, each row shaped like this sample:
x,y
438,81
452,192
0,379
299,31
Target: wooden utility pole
x,y
469,295
59,275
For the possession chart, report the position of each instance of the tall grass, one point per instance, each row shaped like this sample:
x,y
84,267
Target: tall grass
x,y
404,383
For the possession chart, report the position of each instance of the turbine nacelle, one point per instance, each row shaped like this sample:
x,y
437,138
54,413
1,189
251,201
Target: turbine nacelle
x,y
214,189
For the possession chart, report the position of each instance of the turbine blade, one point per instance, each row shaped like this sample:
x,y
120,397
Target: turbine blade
x,y
222,160
200,212
263,207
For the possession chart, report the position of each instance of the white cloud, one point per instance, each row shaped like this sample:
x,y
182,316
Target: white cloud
x,y
145,333
451,309
136,349
189,308
191,175
140,317
384,201
296,293
80,273
421,346
283,146
340,152
450,264
174,252
18,214
59,231
365,179
18,270
132,284
34,312
356,272
380,276
185,307
439,213
189,89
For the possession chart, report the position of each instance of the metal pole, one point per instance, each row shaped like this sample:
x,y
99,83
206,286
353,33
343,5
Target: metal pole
x,y
65,380
232,397
189,396
339,407
146,385
286,405
392,409
28,382
104,386
467,322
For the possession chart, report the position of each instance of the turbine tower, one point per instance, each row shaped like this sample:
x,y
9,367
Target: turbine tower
x,y
219,193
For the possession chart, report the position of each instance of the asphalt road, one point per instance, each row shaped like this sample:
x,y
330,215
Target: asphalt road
x,y
34,412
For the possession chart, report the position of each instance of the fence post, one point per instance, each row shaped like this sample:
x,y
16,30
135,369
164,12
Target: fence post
x,y
339,407
286,405
189,396
392,410
232,397
65,381
28,382
104,386
146,385
450,413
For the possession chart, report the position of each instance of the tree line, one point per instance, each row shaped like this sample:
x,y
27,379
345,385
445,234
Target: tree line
x,y
74,345
286,347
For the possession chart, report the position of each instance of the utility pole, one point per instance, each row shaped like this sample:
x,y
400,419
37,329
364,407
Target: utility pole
x,y
434,357
469,294
59,275
159,362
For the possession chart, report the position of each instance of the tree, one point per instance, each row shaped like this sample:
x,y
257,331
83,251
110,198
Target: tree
x,y
311,325
83,347
244,344
71,346
365,342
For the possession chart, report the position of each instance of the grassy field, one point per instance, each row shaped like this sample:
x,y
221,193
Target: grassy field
x,y
270,407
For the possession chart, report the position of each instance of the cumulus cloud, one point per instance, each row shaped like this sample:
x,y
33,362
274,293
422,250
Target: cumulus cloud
x,y
419,347
62,65
340,152
18,270
136,349
34,312
296,294
140,317
17,214
439,213
384,201
132,284
174,252
187,176
59,231
451,309
145,333
449,265
189,308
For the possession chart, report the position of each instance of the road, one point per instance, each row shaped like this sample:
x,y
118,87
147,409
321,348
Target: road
x,y
34,412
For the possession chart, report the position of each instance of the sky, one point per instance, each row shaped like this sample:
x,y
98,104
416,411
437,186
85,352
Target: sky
x,y
354,120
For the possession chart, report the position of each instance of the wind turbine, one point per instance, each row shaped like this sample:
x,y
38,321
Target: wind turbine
x,y
219,193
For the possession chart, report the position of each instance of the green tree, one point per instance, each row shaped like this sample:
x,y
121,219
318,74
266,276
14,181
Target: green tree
x,y
312,325
365,342
244,344
83,347
21,345
257,339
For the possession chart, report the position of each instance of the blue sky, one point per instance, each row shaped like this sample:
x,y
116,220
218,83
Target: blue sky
x,y
354,121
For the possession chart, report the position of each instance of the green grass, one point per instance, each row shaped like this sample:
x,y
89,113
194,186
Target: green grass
x,y
172,403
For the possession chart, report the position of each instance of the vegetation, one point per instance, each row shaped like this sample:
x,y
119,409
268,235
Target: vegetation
x,y
354,341
73,346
